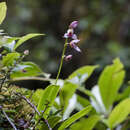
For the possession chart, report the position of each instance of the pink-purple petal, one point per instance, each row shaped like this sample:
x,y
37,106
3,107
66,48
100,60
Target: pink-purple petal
x,y
74,24
65,35
77,48
74,36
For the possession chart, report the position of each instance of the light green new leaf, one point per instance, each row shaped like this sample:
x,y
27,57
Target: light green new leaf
x,y
25,38
9,59
30,69
119,113
3,10
86,123
110,81
75,117
47,99
83,70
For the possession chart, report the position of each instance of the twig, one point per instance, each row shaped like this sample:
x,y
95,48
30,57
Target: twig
x,y
46,122
11,123
28,101
36,110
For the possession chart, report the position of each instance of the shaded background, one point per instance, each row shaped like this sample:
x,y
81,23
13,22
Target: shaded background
x,y
104,31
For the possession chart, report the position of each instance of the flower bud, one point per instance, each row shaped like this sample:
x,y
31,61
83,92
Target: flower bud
x,y
73,24
26,52
68,58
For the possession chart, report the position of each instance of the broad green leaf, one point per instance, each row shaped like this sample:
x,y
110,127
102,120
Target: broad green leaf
x,y
47,99
83,70
36,95
9,59
119,113
3,10
26,69
75,117
25,38
66,93
110,81
86,124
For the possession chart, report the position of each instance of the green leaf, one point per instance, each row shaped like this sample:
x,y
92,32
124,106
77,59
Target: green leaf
x,y
88,70
25,38
47,99
75,117
53,121
26,69
124,94
3,10
37,95
66,93
88,123
110,81
8,42
119,113
9,59
83,101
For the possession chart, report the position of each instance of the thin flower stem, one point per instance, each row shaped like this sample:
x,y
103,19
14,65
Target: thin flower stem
x,y
61,63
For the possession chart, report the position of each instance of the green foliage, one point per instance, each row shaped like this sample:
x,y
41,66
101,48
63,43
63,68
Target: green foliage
x,y
26,69
75,117
110,82
3,10
25,38
124,94
119,113
53,121
84,124
47,99
66,93
83,70
37,95
10,58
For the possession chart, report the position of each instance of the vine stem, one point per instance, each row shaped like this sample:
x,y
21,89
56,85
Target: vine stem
x,y
61,62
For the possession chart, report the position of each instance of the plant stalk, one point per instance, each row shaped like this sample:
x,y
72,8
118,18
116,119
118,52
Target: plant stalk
x,y
61,63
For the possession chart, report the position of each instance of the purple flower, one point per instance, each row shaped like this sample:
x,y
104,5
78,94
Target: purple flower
x,y
74,24
69,57
73,45
70,34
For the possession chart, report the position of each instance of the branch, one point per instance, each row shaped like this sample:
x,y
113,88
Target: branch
x,y
36,110
11,123
28,101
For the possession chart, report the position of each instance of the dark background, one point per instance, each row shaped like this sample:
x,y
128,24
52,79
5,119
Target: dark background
x,y
104,31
